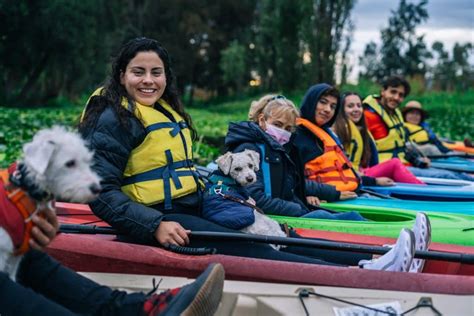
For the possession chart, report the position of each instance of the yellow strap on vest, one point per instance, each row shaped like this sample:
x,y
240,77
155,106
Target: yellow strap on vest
x,y
356,147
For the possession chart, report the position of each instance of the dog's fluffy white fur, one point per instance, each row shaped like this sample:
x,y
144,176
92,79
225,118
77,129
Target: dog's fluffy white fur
x,y
58,162
242,167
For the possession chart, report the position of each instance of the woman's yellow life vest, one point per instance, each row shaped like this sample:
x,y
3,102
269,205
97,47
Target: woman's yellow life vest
x,y
160,169
417,134
332,167
392,145
356,147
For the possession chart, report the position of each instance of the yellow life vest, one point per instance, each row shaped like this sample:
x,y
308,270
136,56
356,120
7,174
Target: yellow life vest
x,y
356,147
392,145
417,134
160,168
332,167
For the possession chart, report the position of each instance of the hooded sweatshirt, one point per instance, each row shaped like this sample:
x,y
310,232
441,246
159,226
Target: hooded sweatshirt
x,y
305,142
288,188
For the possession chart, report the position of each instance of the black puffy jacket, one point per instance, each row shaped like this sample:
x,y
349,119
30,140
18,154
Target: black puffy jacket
x,y
287,184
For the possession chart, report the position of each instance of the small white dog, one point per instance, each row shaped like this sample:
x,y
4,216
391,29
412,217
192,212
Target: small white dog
x,y
55,165
242,167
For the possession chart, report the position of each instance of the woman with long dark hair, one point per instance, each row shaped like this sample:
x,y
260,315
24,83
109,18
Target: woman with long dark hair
x,y
351,128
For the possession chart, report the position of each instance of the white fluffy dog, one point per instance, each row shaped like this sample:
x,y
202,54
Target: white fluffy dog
x,y
55,165
242,167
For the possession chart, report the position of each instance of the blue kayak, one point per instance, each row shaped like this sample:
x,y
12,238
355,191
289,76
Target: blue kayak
x,y
454,164
466,208
426,192
439,181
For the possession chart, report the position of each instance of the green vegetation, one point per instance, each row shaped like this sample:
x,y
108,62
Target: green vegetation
x,y
451,116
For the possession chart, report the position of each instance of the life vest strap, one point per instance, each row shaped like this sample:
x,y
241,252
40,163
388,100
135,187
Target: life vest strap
x,y
338,167
166,173
395,151
23,204
176,127
323,179
265,167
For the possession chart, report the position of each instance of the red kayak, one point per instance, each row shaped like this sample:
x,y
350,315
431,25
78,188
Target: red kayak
x,y
103,253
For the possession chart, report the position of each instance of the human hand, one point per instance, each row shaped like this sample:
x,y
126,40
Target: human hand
x,y
312,200
172,233
251,201
384,181
427,161
44,230
347,195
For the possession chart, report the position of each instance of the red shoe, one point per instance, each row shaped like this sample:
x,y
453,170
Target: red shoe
x,y
202,297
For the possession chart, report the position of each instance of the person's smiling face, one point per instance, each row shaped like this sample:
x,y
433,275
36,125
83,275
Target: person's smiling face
x,y
353,108
392,97
325,109
144,78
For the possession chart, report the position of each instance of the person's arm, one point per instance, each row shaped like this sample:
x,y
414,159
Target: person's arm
x,y
270,205
375,125
368,181
112,144
323,191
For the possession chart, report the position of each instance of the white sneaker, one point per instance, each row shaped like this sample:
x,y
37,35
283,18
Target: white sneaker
x,y
422,231
399,258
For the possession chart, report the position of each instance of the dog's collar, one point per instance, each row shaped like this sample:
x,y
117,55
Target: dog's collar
x,y
222,180
17,176
23,203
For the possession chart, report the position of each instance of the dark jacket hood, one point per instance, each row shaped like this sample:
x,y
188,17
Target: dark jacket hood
x,y
311,98
248,132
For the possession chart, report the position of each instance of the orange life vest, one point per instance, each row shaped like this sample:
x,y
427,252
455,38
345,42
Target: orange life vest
x,y
332,167
16,209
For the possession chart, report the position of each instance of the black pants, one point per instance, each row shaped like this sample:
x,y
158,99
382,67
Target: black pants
x,y
184,211
263,251
45,287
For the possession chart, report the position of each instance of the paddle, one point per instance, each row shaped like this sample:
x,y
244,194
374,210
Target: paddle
x,y
305,242
376,194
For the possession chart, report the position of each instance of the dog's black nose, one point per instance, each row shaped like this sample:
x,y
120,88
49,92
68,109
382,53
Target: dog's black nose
x,y
95,188
249,179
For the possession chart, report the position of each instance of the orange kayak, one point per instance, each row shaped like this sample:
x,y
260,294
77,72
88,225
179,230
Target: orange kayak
x,y
459,146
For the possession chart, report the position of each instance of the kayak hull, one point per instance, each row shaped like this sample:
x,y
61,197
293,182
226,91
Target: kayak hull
x,y
260,298
426,192
466,208
446,228
459,146
104,254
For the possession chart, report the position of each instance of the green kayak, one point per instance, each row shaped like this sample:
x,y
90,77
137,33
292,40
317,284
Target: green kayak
x,y
387,222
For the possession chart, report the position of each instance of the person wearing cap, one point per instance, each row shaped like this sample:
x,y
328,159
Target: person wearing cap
x,y
419,131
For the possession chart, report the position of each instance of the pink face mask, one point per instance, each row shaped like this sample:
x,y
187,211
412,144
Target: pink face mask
x,y
280,135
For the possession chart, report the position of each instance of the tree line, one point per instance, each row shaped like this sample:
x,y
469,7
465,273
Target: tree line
x,y
54,49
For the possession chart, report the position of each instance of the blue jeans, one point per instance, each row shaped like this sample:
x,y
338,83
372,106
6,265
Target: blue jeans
x,y
440,174
348,216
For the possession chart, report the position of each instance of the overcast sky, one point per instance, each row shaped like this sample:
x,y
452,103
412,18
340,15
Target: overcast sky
x,y
450,21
